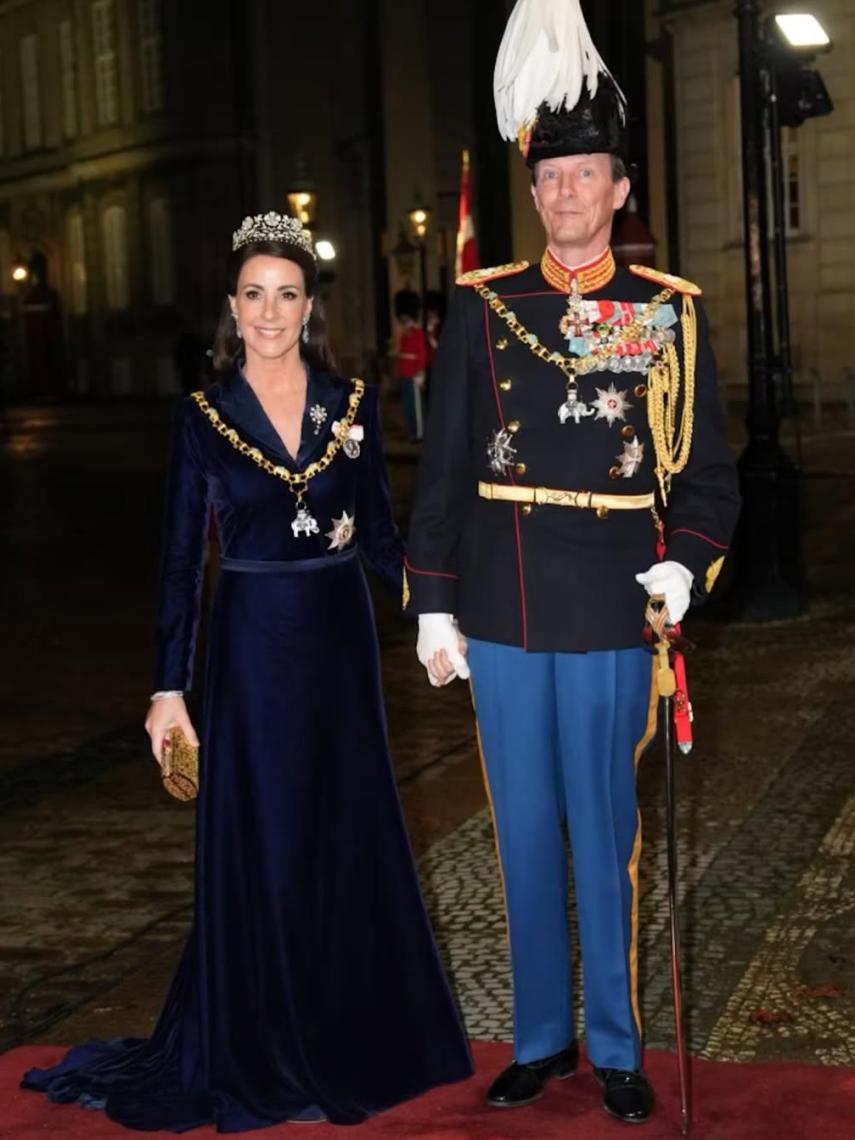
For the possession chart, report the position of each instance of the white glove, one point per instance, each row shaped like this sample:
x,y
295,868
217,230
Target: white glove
x,y
674,581
438,632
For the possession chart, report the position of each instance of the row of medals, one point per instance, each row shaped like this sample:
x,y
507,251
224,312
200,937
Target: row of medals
x,y
305,524
610,404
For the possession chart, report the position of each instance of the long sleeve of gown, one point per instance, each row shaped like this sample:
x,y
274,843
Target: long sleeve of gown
x,y
183,562
377,534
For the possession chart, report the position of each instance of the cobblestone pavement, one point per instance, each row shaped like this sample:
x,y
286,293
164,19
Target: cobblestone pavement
x,y
96,863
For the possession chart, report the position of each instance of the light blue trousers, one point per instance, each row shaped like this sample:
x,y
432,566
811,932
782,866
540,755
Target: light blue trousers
x,y
561,734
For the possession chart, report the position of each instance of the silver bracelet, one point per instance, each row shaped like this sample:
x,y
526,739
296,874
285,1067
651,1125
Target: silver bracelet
x,y
162,695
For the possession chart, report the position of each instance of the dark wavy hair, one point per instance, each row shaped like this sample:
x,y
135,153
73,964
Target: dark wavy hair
x,y
228,347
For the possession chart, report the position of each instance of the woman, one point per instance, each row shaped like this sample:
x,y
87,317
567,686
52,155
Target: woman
x,y
310,987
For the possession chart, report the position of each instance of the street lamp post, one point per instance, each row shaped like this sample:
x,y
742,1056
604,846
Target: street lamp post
x,y
768,543
303,196
419,221
404,253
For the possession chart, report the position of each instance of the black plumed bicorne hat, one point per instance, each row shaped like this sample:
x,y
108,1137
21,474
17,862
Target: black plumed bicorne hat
x,y
554,94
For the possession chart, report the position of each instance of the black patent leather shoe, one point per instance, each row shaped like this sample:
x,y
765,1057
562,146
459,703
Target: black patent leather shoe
x,y
522,1084
627,1095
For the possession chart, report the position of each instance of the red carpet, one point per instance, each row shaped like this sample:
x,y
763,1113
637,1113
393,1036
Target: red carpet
x,y
733,1102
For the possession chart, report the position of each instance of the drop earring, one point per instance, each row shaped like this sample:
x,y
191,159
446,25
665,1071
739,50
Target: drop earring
x,y
237,327
304,335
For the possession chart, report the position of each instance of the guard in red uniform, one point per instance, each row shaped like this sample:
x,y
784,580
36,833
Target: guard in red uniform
x,y
411,362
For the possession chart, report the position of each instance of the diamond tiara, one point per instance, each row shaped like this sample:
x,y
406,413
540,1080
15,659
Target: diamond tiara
x,y
273,227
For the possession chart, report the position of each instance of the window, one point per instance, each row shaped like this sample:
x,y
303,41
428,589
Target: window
x,y
121,376
792,179
116,258
104,52
167,382
30,94
162,260
68,70
77,264
151,54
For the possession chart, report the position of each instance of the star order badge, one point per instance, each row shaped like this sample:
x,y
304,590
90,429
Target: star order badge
x,y
342,532
501,452
631,459
611,404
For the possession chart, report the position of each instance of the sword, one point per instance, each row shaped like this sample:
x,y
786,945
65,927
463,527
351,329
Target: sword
x,y
665,636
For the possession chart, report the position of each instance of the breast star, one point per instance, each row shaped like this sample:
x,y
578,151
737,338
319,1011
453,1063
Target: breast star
x,y
611,404
342,532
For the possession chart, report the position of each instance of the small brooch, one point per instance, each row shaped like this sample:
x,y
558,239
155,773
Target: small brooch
x,y
354,437
318,416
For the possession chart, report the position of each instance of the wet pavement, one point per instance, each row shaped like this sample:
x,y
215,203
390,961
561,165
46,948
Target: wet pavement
x,y
96,862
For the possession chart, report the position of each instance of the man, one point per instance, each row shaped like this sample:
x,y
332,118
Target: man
x,y
575,428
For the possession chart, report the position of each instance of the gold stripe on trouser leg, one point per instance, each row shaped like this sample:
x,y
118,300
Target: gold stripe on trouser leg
x,y
492,812
649,733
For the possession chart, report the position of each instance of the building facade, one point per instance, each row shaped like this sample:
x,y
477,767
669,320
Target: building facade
x,y
122,165
696,185
135,134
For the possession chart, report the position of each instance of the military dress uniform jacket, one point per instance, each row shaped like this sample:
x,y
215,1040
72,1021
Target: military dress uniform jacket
x,y
544,577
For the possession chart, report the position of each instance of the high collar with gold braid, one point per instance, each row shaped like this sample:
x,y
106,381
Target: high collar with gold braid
x,y
594,275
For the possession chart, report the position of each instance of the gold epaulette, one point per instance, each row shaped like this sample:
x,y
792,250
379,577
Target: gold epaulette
x,y
479,276
667,280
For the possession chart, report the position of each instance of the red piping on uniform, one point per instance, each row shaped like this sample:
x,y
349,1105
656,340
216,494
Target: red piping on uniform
x,y
428,573
510,476
697,534
493,365
523,614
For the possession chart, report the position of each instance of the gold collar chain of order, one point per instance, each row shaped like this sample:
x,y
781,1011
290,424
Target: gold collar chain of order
x,y
297,481
672,441
573,366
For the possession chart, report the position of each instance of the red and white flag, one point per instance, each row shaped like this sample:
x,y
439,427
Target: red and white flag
x,y
467,247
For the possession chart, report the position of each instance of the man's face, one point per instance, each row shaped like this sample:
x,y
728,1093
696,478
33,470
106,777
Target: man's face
x,y
576,198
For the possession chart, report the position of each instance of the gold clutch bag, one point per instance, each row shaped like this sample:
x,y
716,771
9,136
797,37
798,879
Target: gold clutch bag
x,y
179,766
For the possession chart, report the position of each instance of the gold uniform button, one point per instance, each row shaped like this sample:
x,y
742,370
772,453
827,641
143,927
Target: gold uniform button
x,y
514,427
520,469
506,385
602,512
502,343
628,432
614,472
640,390
527,508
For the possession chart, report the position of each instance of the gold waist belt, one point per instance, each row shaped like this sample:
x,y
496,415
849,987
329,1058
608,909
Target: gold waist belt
x,y
549,496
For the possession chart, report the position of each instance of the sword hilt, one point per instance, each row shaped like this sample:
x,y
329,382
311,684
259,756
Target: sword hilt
x,y
659,620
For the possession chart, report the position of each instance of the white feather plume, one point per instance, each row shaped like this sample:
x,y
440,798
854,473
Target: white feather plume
x,y
546,56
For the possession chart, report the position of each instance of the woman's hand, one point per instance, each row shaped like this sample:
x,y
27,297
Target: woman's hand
x,y
166,713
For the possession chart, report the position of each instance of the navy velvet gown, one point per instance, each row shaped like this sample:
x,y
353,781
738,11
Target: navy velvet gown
x,y
310,986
